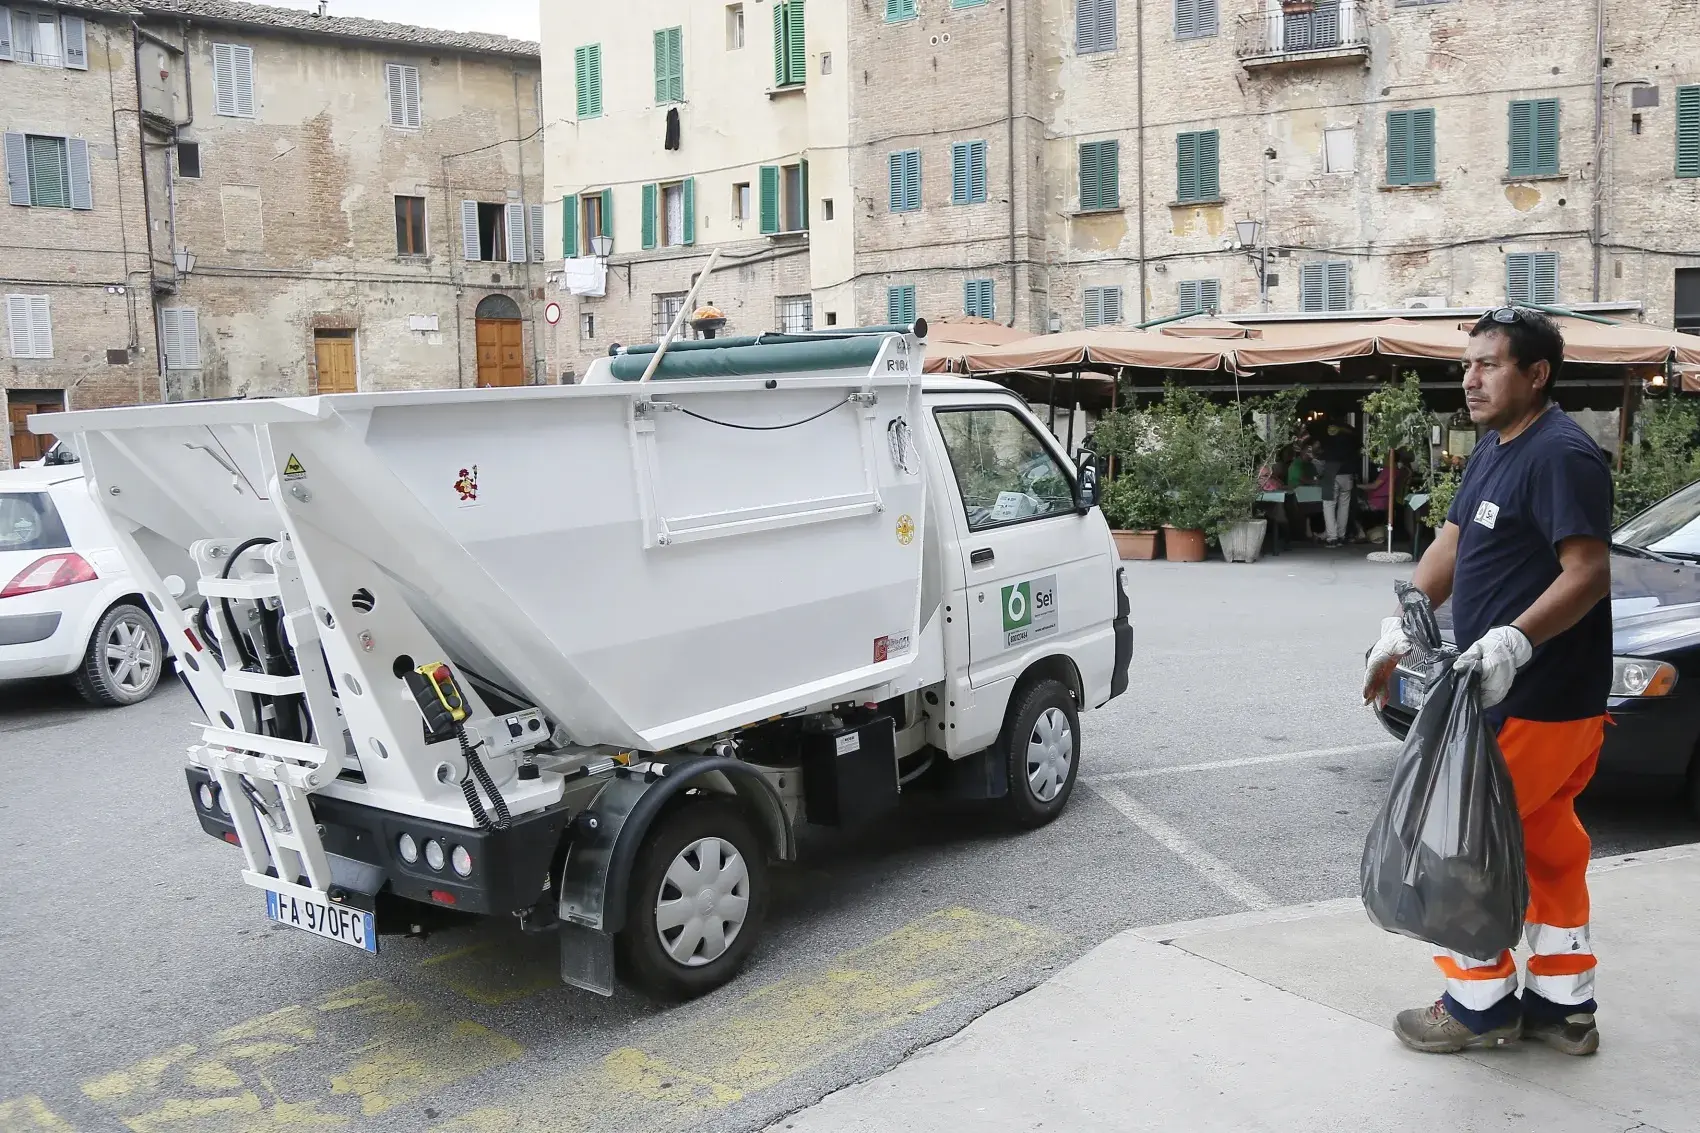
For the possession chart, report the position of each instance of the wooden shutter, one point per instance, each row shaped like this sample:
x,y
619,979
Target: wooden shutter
x,y
1543,281
1688,131
977,171
893,306
912,179
1112,305
1094,25
73,33
1209,183
1109,173
516,223
649,205
663,80
607,214
535,235
569,227
1522,126
1422,146
17,169
1186,167
392,90
1091,177
959,173
1339,279
1546,137
768,176
242,77
180,336
1092,308
587,79
1517,277
6,34
18,326
1313,286
669,65
796,48
402,87
224,83
781,47
894,174
41,327
689,192
1399,147
1190,304
469,230
77,160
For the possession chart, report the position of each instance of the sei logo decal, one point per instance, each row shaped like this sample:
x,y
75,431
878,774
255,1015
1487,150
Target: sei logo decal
x,y
1487,514
1029,610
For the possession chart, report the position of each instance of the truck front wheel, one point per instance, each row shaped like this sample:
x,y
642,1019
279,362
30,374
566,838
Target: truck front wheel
x,y
696,901
1041,746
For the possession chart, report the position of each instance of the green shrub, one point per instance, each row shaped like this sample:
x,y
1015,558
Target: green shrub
x,y
1440,496
1131,505
1663,458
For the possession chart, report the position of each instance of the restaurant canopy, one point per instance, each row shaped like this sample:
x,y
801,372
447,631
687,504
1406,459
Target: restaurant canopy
x,y
1102,347
949,337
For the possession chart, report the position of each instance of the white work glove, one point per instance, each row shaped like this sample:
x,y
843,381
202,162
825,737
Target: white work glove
x,y
1499,654
1392,646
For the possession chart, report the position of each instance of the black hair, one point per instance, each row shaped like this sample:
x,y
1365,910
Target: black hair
x,y
1533,337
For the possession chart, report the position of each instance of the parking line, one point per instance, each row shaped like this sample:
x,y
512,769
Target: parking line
x,y
1215,870
1247,761
29,1114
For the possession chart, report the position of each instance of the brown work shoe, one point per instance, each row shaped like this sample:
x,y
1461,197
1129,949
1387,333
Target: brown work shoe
x,y
1574,1034
1433,1030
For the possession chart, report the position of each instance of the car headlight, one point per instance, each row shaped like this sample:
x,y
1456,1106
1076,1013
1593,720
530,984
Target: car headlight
x,y
1639,676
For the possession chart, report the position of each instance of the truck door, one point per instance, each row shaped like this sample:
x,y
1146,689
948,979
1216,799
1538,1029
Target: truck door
x,y
1038,577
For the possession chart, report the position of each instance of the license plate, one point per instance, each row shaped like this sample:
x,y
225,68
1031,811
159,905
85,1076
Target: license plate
x,y
334,922
1410,692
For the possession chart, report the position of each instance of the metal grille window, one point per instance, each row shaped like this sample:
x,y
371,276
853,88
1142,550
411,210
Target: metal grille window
x,y
666,309
968,173
28,326
1325,285
233,80
402,85
1094,26
1103,306
904,168
1531,278
1100,175
796,314
1198,296
1534,138
979,297
900,305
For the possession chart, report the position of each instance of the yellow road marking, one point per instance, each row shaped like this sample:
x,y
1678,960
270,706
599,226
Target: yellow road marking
x,y
497,972
29,1114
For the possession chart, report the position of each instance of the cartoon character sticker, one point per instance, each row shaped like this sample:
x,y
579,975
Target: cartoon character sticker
x,y
466,487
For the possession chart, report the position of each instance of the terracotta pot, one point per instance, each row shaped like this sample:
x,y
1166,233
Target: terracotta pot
x,y
1183,544
1136,544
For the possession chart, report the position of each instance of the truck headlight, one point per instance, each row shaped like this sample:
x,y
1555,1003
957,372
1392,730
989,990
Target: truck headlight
x,y
407,848
1639,676
434,853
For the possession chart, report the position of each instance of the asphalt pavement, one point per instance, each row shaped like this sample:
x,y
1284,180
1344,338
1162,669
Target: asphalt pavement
x,y
141,986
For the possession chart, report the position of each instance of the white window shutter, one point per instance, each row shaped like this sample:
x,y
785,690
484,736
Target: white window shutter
x,y
169,342
189,338
410,96
224,81
536,233
18,325
1339,285
6,34
516,234
242,59
82,188
41,327
1112,304
1210,294
74,34
18,169
392,86
469,230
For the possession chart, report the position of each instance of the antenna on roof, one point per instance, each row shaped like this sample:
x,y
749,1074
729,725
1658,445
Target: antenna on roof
x,y
324,7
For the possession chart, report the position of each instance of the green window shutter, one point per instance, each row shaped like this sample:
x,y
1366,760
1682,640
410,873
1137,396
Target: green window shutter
x,y
50,175
662,82
669,65
1099,187
676,63
979,298
803,190
1190,304
607,213
1517,277
569,227
900,304
904,172
1688,131
1109,183
649,196
769,209
1089,176
1209,181
1399,147
1545,277
959,174
901,10
796,48
1422,146
781,50
587,78
977,172
894,177
1531,278
690,207
1196,177
1522,126
1546,137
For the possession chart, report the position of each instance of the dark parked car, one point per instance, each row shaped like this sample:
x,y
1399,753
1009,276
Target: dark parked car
x,y
1655,695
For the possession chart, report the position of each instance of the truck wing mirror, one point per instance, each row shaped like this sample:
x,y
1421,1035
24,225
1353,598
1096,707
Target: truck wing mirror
x,y
1086,483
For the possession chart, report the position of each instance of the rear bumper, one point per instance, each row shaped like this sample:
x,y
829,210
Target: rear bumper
x,y
511,869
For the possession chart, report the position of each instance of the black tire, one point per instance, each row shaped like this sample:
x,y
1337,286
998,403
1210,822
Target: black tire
x,y
1033,721
113,681
645,943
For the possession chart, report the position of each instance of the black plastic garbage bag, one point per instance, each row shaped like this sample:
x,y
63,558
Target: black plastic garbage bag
x,y
1444,860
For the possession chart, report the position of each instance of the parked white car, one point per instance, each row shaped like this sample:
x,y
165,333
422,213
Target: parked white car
x,y
68,604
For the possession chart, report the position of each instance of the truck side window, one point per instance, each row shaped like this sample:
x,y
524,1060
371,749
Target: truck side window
x,y
1003,470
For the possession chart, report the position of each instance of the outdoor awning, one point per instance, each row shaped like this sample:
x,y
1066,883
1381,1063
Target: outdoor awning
x,y
949,338
1104,346
1285,344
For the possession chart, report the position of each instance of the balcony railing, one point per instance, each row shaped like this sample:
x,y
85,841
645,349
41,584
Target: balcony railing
x,y
1294,31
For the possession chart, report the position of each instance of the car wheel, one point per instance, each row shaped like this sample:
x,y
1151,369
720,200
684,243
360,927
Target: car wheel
x,y
124,658
1041,747
695,902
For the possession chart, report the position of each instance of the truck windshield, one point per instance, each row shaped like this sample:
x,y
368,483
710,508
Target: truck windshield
x,y
30,522
1005,473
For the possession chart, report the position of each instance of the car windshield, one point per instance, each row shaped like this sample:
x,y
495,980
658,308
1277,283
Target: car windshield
x,y
30,522
1669,527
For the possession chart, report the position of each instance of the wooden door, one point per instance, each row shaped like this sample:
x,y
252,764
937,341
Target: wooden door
x,y
501,352
336,362
19,405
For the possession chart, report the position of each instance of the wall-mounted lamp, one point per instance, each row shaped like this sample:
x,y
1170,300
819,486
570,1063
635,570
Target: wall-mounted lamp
x,y
185,260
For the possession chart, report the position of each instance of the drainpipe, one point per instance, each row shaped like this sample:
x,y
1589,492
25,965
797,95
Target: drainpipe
x,y
1009,110
448,219
147,207
1139,114
1597,234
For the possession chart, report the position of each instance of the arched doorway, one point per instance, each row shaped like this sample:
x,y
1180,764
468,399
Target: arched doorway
x,y
501,342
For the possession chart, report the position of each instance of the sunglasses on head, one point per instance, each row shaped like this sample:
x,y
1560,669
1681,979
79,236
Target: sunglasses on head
x,y
1507,315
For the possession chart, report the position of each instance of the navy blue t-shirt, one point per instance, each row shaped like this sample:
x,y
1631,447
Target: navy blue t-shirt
x,y
1518,501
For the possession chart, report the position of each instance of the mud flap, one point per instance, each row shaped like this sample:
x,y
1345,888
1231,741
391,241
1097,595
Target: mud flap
x,y
587,958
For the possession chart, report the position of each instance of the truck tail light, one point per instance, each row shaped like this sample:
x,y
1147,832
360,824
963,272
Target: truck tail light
x,y
49,573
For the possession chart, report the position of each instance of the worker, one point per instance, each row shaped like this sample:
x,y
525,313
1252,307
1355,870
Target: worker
x,y
1525,557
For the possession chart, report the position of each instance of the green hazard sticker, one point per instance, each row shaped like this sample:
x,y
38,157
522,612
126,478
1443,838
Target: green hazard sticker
x,y
1029,610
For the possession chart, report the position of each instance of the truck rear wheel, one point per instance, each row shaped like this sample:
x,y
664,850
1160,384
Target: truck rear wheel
x,y
696,901
1041,746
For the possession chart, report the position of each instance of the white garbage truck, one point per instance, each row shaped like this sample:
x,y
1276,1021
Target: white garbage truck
x,y
590,656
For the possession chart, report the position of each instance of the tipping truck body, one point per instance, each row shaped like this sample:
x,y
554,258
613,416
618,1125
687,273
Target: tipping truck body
x,y
590,656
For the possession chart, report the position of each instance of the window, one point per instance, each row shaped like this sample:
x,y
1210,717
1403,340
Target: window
x,y
1100,170
1325,285
790,56
734,27
534,233
1196,167
189,159
899,10
180,334
1688,300
587,79
826,62
494,232
1688,131
672,215
1094,26
784,204
1531,277
585,213
979,298
410,226
1534,138
1103,306
670,65
1410,147
587,325
904,169
743,203
966,3
45,171
46,39
1199,296
826,208
796,314
29,327
1004,472
669,214
1339,150
1195,19
666,309
402,85
28,520
900,305
832,318
968,173
233,80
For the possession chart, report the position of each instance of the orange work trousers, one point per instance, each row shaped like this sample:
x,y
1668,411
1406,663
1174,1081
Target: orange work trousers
x,y
1550,763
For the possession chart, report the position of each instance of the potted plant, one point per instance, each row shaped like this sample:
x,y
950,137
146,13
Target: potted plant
x,y
1395,421
1135,512
1253,433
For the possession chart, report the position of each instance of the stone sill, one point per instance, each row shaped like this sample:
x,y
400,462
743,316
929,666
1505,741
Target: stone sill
x,y
1211,203
1100,212
1536,177
787,90
795,236
1425,187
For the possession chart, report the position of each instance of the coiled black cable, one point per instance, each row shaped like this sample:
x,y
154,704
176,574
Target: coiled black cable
x,y
475,767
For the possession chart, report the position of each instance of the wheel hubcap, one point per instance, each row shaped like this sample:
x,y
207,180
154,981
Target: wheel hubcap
x,y
130,656
704,899
1050,751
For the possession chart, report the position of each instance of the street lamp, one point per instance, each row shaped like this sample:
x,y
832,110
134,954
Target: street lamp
x,y
185,260
601,246
1250,233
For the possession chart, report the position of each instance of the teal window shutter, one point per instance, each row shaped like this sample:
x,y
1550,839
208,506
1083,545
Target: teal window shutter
x,y
1103,306
1325,285
959,173
1089,176
900,305
899,10
904,170
607,213
1338,280
796,48
968,173
1410,147
979,298
669,65
662,83
1094,26
781,47
1198,296
1688,131
1196,177
894,174
1534,138
649,201
689,191
769,207
569,227
803,191
1546,137
1099,176
587,72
